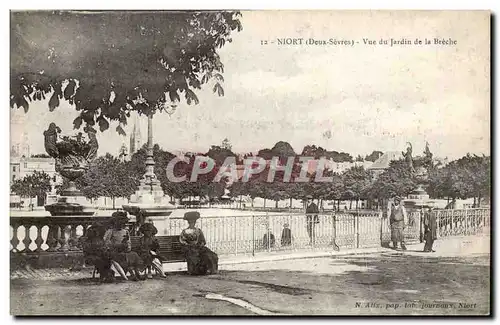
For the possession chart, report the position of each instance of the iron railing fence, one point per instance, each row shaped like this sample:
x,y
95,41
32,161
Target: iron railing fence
x,y
253,234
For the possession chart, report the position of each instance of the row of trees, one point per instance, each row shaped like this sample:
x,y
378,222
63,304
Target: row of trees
x,y
111,177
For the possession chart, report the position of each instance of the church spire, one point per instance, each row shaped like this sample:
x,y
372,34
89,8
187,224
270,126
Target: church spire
x,y
135,137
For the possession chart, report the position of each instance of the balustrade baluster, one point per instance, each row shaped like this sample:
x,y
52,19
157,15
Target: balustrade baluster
x,y
15,240
52,236
63,239
73,239
27,238
39,239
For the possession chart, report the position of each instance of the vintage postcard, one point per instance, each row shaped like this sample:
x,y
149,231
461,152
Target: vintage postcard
x,y
259,163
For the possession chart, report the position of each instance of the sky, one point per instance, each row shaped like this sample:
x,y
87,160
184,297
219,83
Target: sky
x,y
367,97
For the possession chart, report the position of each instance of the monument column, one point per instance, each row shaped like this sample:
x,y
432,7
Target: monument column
x,y
149,200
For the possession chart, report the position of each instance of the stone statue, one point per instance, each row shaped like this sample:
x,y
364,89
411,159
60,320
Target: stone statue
x,y
408,157
94,145
51,139
428,155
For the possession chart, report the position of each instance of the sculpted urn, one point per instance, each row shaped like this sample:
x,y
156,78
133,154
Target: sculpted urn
x,y
73,156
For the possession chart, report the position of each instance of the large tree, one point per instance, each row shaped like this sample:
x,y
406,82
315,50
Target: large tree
x,y
356,183
36,184
107,177
107,64
467,177
395,180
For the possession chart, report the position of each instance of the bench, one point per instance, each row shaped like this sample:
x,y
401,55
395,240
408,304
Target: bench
x,y
170,248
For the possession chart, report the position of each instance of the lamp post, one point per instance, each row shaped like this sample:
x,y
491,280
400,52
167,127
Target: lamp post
x,y
149,180
149,199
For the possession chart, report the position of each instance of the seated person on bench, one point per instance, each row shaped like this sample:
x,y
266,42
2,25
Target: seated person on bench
x,y
95,252
117,240
148,249
200,260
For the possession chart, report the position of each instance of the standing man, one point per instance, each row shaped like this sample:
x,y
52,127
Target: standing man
x,y
430,230
398,219
312,219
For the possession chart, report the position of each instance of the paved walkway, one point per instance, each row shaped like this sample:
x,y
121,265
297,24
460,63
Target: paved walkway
x,y
453,246
453,281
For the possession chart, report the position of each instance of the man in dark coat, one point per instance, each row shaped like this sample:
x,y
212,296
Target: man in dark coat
x,y
312,219
430,230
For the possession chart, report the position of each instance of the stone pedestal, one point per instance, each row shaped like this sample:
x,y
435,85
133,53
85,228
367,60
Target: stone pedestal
x,y
70,206
417,199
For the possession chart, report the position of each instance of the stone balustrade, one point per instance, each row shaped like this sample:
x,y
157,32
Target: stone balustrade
x,y
57,239
35,235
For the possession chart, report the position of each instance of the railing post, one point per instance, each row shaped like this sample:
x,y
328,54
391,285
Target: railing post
x,y
381,223
438,222
357,228
466,219
421,214
253,235
268,233
235,237
452,219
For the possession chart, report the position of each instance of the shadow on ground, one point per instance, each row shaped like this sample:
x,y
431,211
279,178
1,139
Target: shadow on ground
x,y
397,283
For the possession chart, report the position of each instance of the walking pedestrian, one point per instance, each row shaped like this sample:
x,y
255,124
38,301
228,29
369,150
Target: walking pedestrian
x,y
430,230
398,219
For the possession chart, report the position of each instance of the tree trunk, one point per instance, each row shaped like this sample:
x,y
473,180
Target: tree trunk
x,y
350,204
357,207
264,202
474,204
113,200
479,201
276,204
290,203
338,204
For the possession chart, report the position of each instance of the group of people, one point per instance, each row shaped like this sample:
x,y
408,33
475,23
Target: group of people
x,y
108,247
398,220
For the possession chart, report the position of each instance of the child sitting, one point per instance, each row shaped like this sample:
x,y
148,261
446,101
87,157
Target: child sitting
x,y
148,249
95,252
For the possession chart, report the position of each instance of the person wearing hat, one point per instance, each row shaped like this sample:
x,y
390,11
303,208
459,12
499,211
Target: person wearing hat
x,y
200,260
397,218
312,219
95,252
148,249
117,240
430,229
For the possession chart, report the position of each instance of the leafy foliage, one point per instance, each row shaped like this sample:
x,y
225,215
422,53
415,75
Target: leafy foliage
x,y
374,156
109,63
107,177
396,180
36,184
